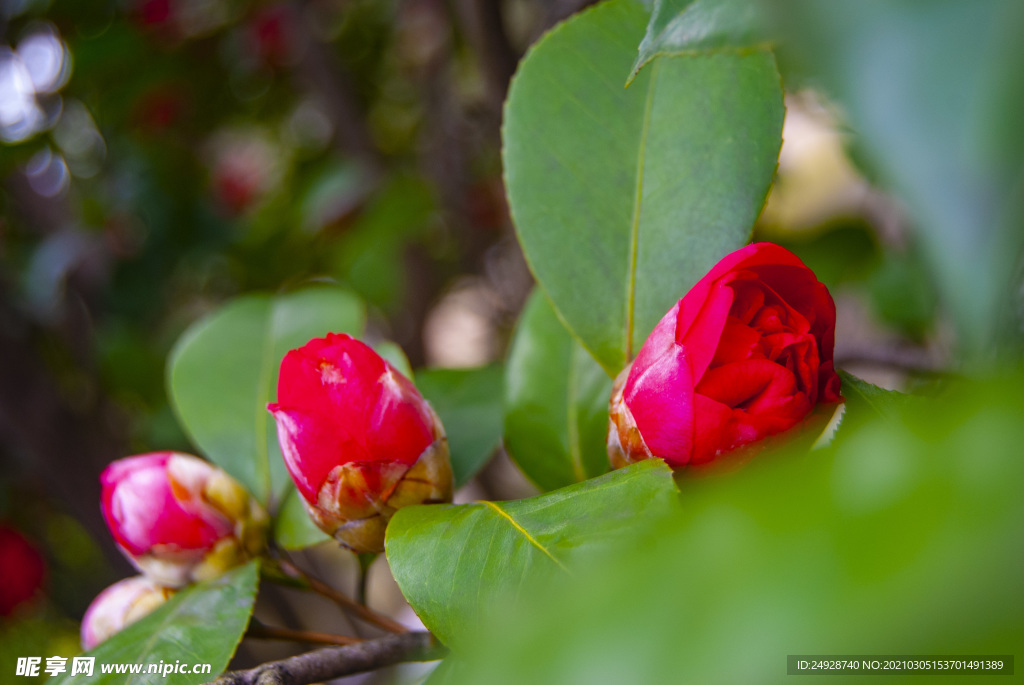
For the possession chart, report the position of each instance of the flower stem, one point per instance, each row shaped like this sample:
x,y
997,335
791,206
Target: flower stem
x,y
260,631
340,598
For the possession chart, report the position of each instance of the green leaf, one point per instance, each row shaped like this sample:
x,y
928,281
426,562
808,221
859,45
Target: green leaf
x,y
293,529
200,625
223,372
452,562
624,198
468,401
556,402
689,27
861,394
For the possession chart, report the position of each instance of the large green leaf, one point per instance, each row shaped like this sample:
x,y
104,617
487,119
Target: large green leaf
x,y
200,625
624,198
903,538
679,27
453,562
468,401
556,402
223,372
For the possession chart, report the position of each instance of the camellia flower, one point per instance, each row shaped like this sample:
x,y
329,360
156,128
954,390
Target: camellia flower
x,y
24,570
359,440
120,605
746,354
180,519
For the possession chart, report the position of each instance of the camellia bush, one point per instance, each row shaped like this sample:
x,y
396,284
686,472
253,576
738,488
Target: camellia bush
x,y
715,495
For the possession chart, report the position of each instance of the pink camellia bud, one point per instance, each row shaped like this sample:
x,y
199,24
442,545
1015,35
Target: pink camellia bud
x,y
23,567
180,519
358,439
747,353
120,605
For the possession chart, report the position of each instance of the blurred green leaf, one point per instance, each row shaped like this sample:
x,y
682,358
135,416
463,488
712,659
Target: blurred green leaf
x,y
556,402
903,294
468,401
395,355
905,537
624,198
679,27
370,256
840,253
934,94
453,562
200,625
223,372
293,529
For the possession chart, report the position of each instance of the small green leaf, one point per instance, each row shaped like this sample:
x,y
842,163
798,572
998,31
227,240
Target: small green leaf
x,y
690,27
223,372
468,401
452,562
200,625
863,394
293,529
624,198
556,402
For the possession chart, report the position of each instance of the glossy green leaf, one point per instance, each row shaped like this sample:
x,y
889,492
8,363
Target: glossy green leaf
x,y
293,529
223,372
452,562
556,402
202,624
903,538
624,198
468,401
689,27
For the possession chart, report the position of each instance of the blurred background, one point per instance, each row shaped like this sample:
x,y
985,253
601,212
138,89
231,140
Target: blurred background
x,y
159,157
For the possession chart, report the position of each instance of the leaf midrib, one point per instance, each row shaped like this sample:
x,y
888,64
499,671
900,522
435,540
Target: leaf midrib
x,y
525,533
634,237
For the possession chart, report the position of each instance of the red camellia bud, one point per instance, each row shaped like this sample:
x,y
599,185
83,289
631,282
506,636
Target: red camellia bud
x,y
120,605
358,439
180,519
745,354
24,570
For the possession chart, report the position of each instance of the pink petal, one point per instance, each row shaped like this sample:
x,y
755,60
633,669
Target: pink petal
x,y
660,397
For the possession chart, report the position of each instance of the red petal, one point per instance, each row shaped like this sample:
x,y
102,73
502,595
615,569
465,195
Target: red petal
x,y
739,342
400,427
312,446
744,382
699,330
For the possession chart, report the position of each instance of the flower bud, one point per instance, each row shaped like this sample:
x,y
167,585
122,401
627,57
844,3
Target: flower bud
x,y
747,353
179,519
24,570
358,439
120,605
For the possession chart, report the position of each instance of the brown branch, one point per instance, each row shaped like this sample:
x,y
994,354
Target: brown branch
x,y
341,599
336,662
259,631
